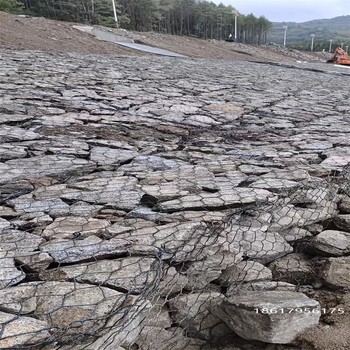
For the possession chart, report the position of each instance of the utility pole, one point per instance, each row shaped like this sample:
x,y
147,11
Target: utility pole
x,y
236,14
330,45
312,42
285,36
115,15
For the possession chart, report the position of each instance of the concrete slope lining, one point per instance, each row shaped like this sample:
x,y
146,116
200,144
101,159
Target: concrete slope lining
x,y
150,49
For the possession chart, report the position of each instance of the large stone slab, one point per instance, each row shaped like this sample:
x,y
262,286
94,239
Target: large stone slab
x,y
12,133
265,316
18,332
244,271
227,199
173,338
73,227
258,245
73,307
48,165
331,242
92,247
193,313
123,328
121,191
9,274
109,156
201,273
133,274
261,286
335,273
28,204
343,222
11,151
294,268
18,243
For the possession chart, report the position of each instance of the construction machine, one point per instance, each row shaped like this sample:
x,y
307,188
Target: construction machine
x,y
340,56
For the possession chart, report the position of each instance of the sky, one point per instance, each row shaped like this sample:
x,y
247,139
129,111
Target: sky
x,y
291,11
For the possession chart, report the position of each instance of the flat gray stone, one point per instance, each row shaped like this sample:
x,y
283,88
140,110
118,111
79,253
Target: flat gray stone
x,y
244,313
245,271
343,222
331,242
205,200
109,156
193,312
19,243
48,165
261,286
9,274
12,133
275,185
123,192
92,247
155,163
258,245
131,274
21,331
294,268
335,273
73,227
28,204
75,308
11,151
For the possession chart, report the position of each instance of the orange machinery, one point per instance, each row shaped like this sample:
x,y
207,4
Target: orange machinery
x,y
340,56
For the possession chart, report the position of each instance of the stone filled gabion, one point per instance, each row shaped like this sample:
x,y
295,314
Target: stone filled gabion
x,y
185,205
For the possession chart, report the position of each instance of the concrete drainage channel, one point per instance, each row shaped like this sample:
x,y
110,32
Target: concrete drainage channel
x,y
126,42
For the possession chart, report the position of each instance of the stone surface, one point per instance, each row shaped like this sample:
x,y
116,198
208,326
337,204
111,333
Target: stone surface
x,y
9,274
244,271
108,156
343,222
73,227
335,273
193,312
49,165
92,247
294,268
261,286
177,242
157,338
75,308
131,274
162,183
224,200
331,242
245,314
258,245
201,273
22,331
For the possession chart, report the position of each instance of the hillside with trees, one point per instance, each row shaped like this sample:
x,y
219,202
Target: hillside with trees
x,y
299,34
195,18
202,19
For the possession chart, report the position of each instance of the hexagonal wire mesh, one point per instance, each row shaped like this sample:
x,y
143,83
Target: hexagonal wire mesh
x,y
85,266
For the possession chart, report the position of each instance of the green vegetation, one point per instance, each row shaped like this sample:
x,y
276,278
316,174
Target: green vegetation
x,y
14,6
299,34
202,19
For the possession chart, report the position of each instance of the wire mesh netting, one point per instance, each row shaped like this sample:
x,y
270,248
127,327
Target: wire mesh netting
x,y
156,211
91,276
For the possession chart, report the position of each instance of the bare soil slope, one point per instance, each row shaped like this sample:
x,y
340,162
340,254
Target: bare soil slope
x,y
31,33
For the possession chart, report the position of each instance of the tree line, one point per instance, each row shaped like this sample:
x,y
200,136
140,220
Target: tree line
x,y
198,18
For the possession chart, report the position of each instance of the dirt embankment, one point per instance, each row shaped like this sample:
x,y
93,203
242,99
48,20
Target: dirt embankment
x,y
31,33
